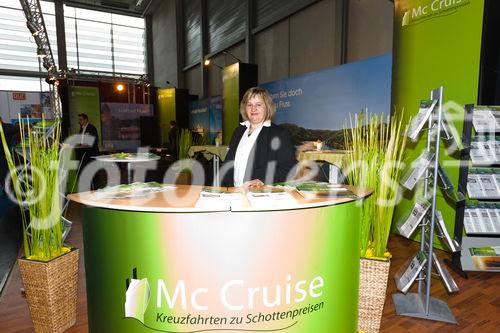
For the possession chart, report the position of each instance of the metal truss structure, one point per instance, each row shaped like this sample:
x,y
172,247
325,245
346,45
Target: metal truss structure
x,y
36,25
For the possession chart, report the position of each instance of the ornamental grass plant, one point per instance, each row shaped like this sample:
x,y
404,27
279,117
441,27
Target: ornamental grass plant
x,y
35,186
185,142
376,144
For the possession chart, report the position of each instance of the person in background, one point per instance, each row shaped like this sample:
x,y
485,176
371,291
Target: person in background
x,y
262,152
86,128
84,151
173,138
10,132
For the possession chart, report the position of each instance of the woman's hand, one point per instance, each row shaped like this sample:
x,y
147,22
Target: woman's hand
x,y
253,183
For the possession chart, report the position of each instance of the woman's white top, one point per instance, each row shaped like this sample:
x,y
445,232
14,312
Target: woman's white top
x,y
243,151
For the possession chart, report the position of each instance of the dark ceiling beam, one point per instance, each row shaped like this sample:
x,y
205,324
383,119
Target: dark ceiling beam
x,y
61,35
94,5
250,21
204,48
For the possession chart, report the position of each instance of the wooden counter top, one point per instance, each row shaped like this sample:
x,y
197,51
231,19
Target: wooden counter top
x,y
184,198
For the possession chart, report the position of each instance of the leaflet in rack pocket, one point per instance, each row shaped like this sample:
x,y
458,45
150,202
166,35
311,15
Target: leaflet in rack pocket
x,y
482,219
477,154
450,132
473,186
486,120
483,184
443,233
410,224
424,112
449,283
484,216
413,175
408,273
488,184
448,188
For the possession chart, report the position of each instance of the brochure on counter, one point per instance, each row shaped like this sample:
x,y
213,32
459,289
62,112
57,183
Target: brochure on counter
x,y
263,197
218,199
320,190
270,199
134,190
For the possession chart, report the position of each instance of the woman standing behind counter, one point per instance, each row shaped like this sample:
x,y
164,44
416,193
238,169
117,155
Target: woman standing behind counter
x,y
262,152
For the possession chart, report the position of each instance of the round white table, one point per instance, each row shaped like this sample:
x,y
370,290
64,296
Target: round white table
x,y
128,158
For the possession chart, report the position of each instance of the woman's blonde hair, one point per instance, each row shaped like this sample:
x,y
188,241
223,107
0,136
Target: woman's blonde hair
x,y
264,94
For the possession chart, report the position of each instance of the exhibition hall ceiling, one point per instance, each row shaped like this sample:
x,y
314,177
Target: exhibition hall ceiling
x,y
130,7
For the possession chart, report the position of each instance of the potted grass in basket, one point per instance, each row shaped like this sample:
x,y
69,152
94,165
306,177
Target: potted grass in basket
x,y
376,146
49,269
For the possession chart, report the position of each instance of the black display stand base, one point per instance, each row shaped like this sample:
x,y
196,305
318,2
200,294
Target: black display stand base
x,y
456,267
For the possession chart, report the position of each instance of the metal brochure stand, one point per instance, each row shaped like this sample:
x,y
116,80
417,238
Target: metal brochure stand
x,y
421,304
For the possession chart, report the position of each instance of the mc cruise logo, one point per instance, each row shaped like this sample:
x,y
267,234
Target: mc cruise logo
x,y
137,297
232,305
430,10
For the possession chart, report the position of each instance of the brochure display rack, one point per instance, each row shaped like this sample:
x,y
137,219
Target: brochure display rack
x,y
426,215
477,225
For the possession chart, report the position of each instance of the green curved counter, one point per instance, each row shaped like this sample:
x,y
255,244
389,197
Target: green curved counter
x,y
163,265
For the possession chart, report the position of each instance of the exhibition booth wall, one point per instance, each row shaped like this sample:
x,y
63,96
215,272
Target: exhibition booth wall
x,y
25,104
318,105
436,43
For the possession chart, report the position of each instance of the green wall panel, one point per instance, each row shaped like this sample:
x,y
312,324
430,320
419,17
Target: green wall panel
x,y
436,43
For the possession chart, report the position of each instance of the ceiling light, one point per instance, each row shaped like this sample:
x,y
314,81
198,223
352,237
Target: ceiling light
x,y
40,53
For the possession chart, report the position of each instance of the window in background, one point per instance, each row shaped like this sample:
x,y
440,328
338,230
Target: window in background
x,y
104,42
19,83
17,46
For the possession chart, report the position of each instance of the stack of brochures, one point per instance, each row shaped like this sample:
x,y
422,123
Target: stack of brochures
x,y
482,219
486,258
483,184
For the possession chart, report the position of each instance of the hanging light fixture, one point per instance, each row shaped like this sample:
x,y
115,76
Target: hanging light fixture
x,y
40,53
207,62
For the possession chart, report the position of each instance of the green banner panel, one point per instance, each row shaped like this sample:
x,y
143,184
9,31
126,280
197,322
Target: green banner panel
x,y
166,111
230,101
436,43
290,271
82,100
85,100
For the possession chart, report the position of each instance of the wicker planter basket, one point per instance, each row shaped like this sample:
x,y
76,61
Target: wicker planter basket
x,y
51,289
373,276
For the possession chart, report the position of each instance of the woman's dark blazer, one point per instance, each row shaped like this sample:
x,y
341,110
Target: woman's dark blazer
x,y
273,149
